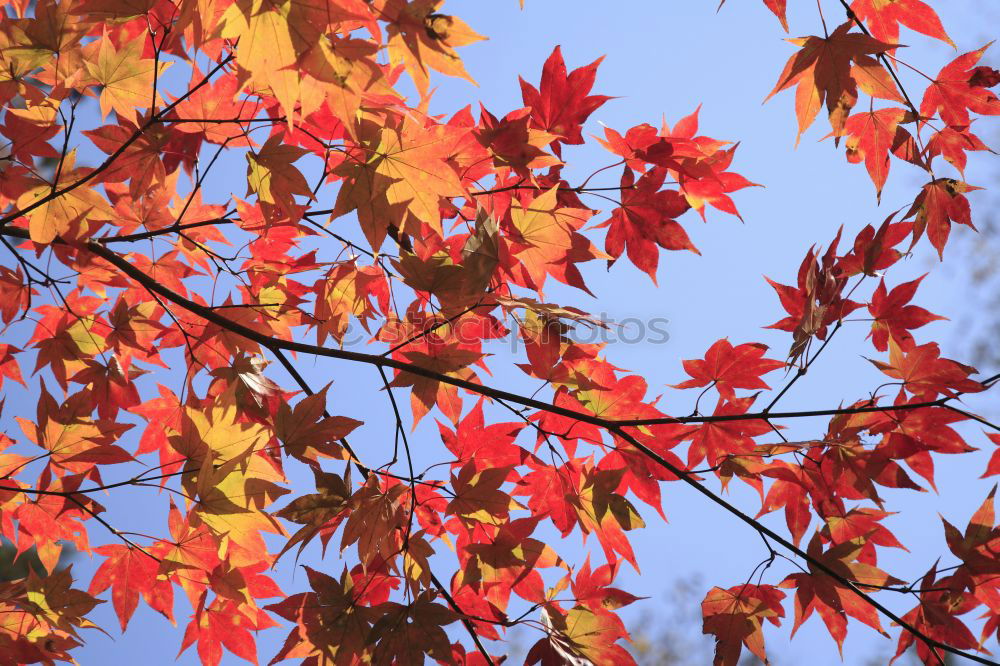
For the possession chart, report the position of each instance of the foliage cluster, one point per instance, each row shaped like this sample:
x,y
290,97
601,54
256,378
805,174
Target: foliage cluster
x,y
152,315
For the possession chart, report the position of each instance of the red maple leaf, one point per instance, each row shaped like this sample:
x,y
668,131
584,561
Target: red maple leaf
x,y
728,368
561,104
960,88
940,202
924,373
130,572
645,221
893,317
884,18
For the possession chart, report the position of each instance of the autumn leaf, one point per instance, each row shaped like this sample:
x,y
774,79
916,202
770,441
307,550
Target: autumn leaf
x,y
829,598
220,625
580,636
645,221
726,368
130,572
71,215
422,39
735,617
307,433
953,143
319,513
924,373
207,111
934,616
821,72
714,441
548,241
271,176
993,466
408,632
126,77
977,546
893,316
940,202
562,103
884,17
266,49
959,89
873,135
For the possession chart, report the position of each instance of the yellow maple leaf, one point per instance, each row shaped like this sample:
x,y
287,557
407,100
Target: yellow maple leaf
x,y
127,78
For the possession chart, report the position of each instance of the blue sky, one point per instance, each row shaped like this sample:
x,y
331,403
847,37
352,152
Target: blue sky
x,y
664,59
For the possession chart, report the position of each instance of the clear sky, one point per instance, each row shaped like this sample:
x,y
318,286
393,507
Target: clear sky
x,y
664,59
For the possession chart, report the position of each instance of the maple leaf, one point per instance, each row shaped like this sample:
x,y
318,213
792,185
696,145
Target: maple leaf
x,y
139,162
645,220
860,524
348,290
875,250
714,441
873,135
222,624
940,202
207,110
885,16
815,303
591,588
406,167
958,89
953,143
727,368
925,374
377,516
735,617
507,562
699,163
9,367
329,622
420,38
580,636
977,547
477,494
126,77
217,434
547,240
819,592
488,445
513,144
410,631
602,510
15,295
561,103
129,572
893,317
74,441
319,513
307,433
28,131
271,176
71,215
935,617
267,48
59,608
821,71
444,357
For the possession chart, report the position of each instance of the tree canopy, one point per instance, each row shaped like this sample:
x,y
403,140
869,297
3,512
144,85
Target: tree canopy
x,y
160,327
